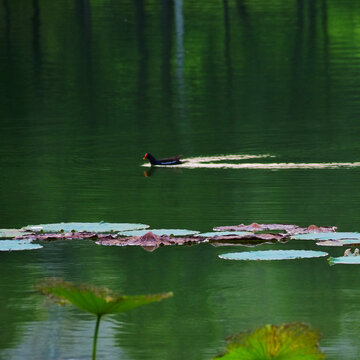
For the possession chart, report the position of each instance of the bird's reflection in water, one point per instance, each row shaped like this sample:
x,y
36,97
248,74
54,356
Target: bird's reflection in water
x,y
151,171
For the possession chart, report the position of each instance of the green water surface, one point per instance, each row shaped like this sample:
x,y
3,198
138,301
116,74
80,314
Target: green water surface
x,y
88,86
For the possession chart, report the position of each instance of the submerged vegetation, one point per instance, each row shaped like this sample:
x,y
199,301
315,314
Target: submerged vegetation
x,y
96,301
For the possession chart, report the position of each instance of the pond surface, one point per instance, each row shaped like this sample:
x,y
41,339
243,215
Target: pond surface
x,y
87,87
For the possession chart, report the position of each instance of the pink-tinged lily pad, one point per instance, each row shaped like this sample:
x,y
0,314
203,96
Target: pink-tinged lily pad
x,y
101,227
68,236
273,255
212,234
150,241
160,232
327,236
12,245
249,239
289,229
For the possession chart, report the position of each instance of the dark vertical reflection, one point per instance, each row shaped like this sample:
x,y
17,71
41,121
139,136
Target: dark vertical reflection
x,y
227,53
311,36
325,34
252,60
7,25
296,72
7,88
36,41
86,66
143,59
166,33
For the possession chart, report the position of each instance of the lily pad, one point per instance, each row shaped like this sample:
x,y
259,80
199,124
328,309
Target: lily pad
x,y
327,236
11,245
167,232
339,242
10,233
273,255
224,233
344,260
100,227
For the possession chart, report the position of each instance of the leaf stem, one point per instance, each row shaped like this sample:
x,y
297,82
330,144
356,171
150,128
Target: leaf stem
x,y
98,318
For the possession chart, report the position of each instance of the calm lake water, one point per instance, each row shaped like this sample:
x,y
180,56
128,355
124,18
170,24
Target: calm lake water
x,y
87,87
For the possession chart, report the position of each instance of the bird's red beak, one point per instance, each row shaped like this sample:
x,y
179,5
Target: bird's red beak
x,y
145,156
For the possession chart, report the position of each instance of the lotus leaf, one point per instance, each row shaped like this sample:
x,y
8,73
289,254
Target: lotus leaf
x,y
285,342
344,260
11,245
101,227
273,255
94,300
327,236
224,233
97,301
167,232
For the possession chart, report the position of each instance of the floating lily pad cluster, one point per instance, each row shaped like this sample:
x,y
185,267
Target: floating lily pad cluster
x,y
129,234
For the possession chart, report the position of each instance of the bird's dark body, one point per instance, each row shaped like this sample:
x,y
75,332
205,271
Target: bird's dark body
x,y
167,161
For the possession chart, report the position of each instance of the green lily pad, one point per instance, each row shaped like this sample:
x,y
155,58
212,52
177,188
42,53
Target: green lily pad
x,y
224,233
327,236
273,255
10,233
11,245
100,227
159,232
344,260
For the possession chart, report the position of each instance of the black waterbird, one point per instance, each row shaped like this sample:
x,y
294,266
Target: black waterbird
x,y
168,161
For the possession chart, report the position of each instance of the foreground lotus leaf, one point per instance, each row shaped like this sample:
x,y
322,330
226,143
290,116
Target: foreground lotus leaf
x,y
150,241
355,260
167,232
12,245
289,229
10,233
285,342
224,233
97,301
273,255
100,227
327,236
339,242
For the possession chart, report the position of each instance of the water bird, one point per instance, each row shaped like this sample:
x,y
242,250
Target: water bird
x,y
168,161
